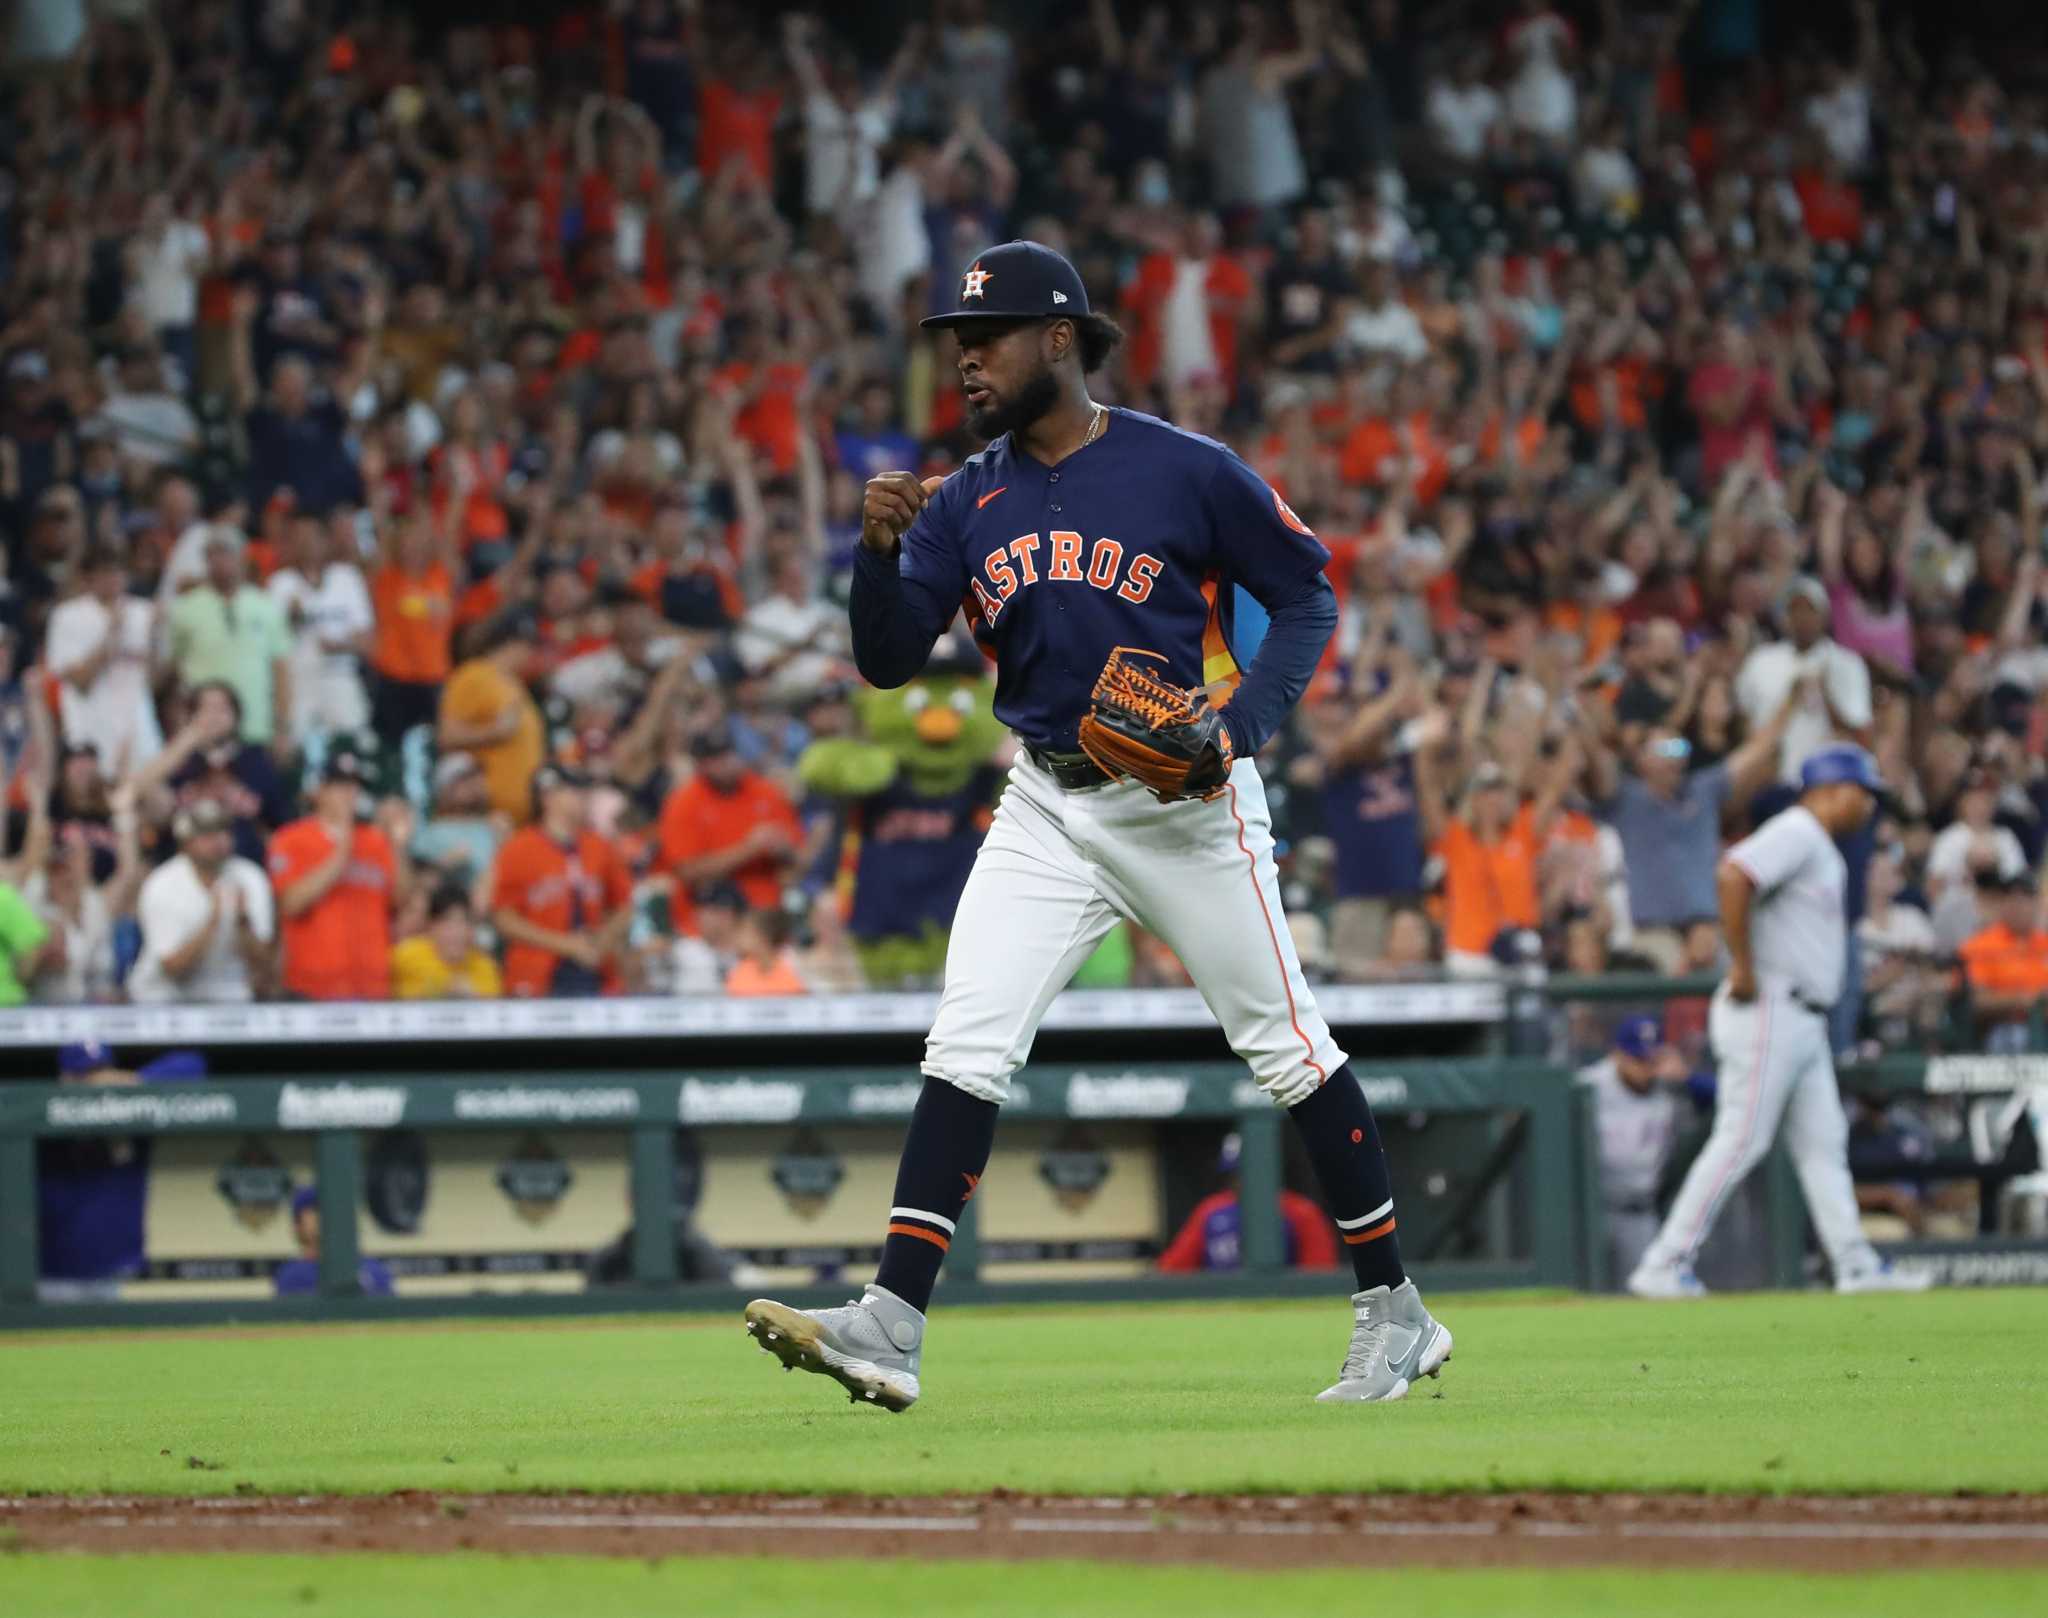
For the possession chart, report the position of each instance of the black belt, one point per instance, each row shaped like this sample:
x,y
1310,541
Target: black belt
x,y
1807,1002
1069,770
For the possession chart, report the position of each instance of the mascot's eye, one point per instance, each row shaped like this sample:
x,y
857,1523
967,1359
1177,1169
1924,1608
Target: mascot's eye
x,y
916,699
963,703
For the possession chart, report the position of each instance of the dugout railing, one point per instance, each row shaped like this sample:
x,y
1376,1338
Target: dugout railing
x,y
1540,1126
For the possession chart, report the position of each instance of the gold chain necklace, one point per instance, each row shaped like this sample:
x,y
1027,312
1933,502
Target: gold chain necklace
x,y
1095,427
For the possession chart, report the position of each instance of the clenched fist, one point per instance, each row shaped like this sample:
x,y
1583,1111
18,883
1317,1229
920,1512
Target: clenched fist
x,y
893,501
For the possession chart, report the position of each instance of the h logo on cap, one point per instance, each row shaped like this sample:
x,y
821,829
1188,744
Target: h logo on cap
x,y
974,281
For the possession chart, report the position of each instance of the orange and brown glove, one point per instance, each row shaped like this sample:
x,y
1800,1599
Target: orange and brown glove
x,y
1163,736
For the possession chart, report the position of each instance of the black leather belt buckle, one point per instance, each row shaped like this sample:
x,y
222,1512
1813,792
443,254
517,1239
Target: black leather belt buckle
x,y
1070,770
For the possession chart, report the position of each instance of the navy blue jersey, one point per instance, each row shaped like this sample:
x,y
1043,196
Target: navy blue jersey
x,y
300,1278
1371,816
1134,540
91,1192
915,853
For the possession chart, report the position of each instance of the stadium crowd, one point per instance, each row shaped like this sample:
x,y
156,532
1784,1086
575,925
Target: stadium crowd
x,y
430,464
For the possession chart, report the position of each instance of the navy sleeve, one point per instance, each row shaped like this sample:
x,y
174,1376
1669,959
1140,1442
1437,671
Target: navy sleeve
x,y
899,607
1255,537
174,1067
1301,627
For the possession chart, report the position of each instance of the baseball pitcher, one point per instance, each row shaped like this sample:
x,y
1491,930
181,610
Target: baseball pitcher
x,y
1098,552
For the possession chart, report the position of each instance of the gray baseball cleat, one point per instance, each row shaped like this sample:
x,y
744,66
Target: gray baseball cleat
x,y
1884,1277
870,1348
1395,1343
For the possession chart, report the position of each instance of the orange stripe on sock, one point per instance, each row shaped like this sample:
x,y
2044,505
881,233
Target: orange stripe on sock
x,y
1352,1238
933,1236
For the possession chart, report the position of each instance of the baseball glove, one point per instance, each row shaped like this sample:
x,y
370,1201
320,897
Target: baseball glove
x,y
1163,736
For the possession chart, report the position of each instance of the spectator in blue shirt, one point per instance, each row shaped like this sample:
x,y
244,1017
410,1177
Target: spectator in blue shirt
x,y
1371,817
296,440
875,444
91,1190
1668,818
299,1277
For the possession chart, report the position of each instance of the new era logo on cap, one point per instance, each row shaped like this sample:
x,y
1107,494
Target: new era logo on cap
x,y
1059,297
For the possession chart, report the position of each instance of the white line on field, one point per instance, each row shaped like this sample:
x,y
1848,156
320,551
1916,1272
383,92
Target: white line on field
x,y
1396,1529
1833,1530
911,1525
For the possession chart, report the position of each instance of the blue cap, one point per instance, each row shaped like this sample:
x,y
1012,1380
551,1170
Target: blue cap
x,y
1639,1037
1016,281
1844,761
307,1196
87,1056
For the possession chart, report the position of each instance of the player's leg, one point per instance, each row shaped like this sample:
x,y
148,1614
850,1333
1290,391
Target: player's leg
x,y
1201,875
1030,914
1817,1136
1757,1050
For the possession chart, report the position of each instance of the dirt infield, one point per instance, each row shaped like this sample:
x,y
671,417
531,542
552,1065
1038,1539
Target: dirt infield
x,y
1812,1533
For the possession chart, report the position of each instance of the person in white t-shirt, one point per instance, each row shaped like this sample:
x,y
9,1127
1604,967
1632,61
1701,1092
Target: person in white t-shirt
x,y
1839,112
1974,843
208,919
790,638
1835,704
1542,99
1379,325
843,129
327,606
1463,113
1902,978
143,413
166,259
101,648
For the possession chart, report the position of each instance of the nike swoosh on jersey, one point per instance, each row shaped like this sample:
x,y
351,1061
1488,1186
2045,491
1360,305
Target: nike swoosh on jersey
x,y
985,499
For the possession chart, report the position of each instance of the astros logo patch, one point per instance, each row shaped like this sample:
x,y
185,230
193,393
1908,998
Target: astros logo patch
x,y
1288,517
974,281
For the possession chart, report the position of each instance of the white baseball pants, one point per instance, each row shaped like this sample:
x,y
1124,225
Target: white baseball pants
x,y
1056,871
1773,1065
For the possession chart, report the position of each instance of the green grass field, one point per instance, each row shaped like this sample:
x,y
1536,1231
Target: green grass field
x,y
1775,1393
560,1587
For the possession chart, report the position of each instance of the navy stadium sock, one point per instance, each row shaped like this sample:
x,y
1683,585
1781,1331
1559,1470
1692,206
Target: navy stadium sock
x,y
1344,1144
951,1134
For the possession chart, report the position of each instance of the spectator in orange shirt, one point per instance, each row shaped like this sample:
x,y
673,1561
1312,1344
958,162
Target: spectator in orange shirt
x,y
560,897
337,884
2006,964
1489,851
487,712
413,649
727,823
765,965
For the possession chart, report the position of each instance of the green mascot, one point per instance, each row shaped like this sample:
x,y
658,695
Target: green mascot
x,y
918,789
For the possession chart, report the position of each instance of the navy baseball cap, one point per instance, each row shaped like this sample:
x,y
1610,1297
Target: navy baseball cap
x,y
345,764
307,1196
1842,762
1639,1037
1016,281
86,1056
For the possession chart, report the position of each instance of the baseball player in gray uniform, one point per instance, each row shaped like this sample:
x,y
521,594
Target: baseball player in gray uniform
x,y
1782,917
1638,1089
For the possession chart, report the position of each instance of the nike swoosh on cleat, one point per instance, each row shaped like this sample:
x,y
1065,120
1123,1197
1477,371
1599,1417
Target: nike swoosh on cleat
x,y
985,499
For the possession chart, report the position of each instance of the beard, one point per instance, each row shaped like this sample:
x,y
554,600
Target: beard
x,y
1019,411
